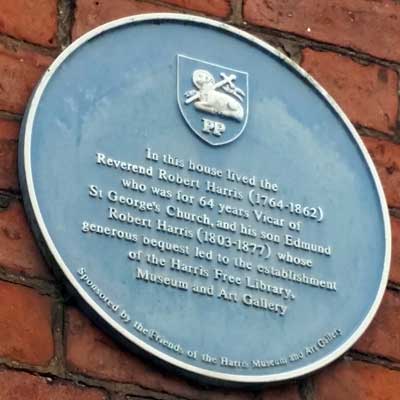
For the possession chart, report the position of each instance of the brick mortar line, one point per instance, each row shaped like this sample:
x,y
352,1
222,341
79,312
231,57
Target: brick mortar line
x,y
11,42
364,131
43,287
109,396
140,397
393,286
369,132
6,197
236,16
65,22
159,3
12,192
120,396
58,322
6,363
144,396
10,116
306,389
374,359
290,48
181,10
127,389
394,212
307,42
43,373
7,192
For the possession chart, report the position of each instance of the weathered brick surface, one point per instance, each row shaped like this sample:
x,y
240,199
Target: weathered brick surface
x,y
284,392
8,155
383,335
31,20
92,13
367,93
22,386
91,352
372,27
25,325
395,262
386,156
19,72
218,8
18,250
357,381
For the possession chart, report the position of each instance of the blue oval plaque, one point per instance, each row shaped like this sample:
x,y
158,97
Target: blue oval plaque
x,y
206,200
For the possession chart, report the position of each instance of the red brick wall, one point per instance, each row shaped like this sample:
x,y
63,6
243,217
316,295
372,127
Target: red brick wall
x,y
48,349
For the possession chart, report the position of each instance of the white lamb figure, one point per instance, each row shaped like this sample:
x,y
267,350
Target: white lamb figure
x,y
208,99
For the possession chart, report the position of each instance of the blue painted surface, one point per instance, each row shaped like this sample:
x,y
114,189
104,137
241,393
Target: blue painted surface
x,y
116,95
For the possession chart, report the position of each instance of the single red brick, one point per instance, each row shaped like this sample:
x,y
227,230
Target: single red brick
x,y
367,93
286,392
218,8
22,386
8,155
18,250
90,352
383,335
386,156
19,72
372,27
395,262
92,13
25,325
31,20
356,381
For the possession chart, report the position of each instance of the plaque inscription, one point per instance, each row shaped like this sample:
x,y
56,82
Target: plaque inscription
x,y
231,251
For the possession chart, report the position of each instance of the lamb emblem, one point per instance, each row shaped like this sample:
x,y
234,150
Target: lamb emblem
x,y
207,97
213,99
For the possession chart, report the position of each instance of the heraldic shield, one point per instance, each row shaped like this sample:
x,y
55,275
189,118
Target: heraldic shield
x,y
214,100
